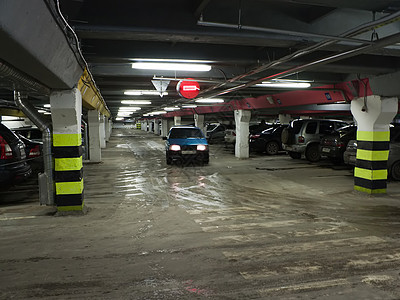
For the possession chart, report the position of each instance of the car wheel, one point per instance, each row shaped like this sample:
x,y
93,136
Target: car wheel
x,y
295,155
312,153
272,148
395,171
168,160
287,136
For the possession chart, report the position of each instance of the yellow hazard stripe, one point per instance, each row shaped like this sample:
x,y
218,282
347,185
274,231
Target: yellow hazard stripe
x,y
68,164
372,155
67,139
70,208
370,174
373,136
369,191
68,188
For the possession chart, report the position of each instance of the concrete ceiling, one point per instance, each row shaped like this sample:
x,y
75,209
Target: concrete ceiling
x,y
234,37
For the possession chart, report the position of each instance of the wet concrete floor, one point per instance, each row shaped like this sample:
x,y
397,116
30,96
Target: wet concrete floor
x,y
269,227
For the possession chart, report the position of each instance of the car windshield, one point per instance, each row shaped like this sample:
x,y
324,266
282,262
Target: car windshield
x,y
349,129
184,133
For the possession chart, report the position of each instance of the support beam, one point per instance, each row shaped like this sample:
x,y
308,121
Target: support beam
x,y
94,136
199,122
102,132
373,115
242,119
66,111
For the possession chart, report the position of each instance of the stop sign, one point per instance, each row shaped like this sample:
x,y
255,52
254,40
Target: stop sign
x,y
188,88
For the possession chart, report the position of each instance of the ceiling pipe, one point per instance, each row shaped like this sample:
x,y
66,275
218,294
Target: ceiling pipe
x,y
353,32
283,32
390,40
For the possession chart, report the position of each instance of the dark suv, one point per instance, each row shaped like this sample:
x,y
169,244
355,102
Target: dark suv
x,y
13,165
186,143
304,135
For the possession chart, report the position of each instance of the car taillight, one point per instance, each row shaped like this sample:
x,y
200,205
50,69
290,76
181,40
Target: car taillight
x,y
5,149
254,136
35,151
300,139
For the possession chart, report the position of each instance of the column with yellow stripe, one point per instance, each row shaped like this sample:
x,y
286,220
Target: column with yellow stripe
x,y
66,111
370,173
373,115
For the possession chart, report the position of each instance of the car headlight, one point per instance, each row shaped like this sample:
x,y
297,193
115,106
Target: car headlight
x,y
175,148
201,147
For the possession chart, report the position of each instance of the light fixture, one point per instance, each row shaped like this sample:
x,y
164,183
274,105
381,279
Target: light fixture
x,y
171,108
158,112
119,119
210,100
189,106
47,105
129,108
136,102
171,66
41,111
140,93
286,83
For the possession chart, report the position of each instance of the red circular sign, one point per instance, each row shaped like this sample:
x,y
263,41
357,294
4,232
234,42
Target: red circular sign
x,y
188,88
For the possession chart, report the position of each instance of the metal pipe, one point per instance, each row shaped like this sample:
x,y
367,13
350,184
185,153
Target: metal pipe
x,y
284,32
22,81
352,32
29,110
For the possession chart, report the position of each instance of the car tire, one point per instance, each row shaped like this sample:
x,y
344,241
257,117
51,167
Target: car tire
x,y
272,148
168,160
312,153
287,136
395,170
294,155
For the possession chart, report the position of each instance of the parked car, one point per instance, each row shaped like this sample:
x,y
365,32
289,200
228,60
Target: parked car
x,y
393,164
31,133
303,136
230,136
268,141
186,143
217,133
334,145
13,165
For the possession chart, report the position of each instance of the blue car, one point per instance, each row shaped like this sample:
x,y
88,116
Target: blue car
x,y
186,143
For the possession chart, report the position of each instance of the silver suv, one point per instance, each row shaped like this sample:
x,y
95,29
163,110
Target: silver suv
x,y
304,135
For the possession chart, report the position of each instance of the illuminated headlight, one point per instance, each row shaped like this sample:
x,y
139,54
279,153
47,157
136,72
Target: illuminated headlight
x,y
201,147
175,148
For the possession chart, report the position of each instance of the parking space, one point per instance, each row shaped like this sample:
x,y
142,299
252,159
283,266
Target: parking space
x,y
269,227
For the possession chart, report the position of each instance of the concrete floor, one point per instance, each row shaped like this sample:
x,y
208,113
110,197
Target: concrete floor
x,y
262,228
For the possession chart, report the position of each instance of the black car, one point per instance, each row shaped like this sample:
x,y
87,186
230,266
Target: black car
x,y
268,141
33,151
13,165
333,145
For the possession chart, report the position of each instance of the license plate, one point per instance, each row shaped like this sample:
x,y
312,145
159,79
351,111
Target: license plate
x,y
326,150
189,152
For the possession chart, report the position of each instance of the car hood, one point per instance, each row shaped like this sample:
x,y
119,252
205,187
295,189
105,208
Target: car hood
x,y
188,141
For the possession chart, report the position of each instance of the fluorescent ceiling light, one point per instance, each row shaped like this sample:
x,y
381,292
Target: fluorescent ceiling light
x,y
285,83
171,66
136,102
129,108
189,106
119,119
140,93
158,112
47,105
210,100
171,108
189,61
41,111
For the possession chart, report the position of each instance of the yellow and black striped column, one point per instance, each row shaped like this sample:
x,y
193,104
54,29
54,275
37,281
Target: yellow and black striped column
x,y
68,173
370,173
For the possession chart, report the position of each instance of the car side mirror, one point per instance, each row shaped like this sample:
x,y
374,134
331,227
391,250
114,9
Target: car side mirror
x,y
164,138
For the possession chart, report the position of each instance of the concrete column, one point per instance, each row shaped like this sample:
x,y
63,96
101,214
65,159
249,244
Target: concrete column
x,y
242,119
199,122
143,125
102,132
373,116
94,136
177,120
108,128
156,127
164,127
284,119
66,112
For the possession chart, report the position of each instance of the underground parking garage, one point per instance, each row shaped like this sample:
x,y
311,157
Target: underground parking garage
x,y
106,217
